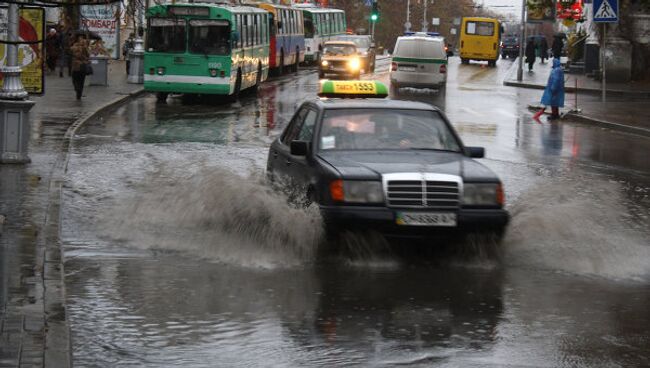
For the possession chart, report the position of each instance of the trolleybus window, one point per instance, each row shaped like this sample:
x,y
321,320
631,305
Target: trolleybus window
x,y
166,35
480,28
210,37
309,28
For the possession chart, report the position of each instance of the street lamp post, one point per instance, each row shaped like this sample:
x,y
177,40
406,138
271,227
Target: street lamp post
x,y
14,105
136,56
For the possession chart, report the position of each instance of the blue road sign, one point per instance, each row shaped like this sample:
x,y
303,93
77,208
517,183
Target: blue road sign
x,y
605,11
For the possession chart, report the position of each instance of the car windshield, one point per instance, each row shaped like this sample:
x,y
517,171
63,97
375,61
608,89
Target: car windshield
x,y
510,40
340,50
166,35
362,42
373,129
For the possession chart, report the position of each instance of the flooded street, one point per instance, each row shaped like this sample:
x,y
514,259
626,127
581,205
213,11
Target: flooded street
x,y
178,254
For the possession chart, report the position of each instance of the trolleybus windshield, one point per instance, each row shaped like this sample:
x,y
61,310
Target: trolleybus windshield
x,y
210,37
166,35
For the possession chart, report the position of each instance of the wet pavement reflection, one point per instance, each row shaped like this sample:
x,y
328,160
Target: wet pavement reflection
x,y
158,274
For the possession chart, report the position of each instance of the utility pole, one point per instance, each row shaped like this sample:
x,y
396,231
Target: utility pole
x,y
136,69
522,39
424,16
407,25
14,102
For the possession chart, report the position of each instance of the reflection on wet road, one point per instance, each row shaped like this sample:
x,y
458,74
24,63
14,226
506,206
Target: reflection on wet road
x,y
178,255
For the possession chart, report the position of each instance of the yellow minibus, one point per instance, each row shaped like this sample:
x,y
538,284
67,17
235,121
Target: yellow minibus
x,y
480,39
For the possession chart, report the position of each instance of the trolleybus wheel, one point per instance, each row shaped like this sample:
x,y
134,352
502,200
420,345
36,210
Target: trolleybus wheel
x,y
258,80
294,67
282,62
161,96
237,91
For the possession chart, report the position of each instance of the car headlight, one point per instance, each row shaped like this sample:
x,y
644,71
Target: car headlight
x,y
325,63
354,64
356,191
483,194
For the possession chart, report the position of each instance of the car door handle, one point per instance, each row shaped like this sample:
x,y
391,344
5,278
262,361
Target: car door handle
x,y
275,154
288,162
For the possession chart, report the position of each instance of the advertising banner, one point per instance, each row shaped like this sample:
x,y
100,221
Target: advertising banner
x,y
31,28
102,20
540,11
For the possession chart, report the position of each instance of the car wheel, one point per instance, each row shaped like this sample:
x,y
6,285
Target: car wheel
x,y
321,74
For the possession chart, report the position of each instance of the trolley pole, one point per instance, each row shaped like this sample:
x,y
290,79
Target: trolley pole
x,y
14,102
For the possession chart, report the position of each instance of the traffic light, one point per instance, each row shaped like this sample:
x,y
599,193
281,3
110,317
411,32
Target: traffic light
x,y
374,14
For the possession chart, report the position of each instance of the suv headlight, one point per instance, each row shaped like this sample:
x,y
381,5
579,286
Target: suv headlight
x,y
482,194
356,191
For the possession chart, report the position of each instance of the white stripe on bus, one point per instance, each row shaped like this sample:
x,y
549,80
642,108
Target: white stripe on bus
x,y
185,79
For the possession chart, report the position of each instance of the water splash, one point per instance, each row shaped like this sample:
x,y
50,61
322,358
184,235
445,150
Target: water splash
x,y
218,215
576,227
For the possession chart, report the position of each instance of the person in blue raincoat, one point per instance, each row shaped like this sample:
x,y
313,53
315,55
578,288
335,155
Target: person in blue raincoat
x,y
554,92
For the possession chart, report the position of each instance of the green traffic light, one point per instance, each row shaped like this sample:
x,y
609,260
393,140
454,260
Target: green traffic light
x,y
374,17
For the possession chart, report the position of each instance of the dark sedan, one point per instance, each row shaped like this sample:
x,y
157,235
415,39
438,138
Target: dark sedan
x,y
395,166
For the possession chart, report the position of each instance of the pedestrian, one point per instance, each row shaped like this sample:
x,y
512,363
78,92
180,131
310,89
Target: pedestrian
x,y
543,49
554,92
52,49
530,54
557,46
80,64
126,50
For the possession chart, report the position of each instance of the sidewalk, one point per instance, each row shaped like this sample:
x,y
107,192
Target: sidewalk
x,y
34,329
627,103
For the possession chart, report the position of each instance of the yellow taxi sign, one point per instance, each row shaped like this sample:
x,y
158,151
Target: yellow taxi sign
x,y
353,89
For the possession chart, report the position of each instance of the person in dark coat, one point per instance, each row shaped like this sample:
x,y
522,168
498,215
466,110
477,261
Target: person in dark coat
x,y
80,61
554,92
543,49
530,54
558,45
52,48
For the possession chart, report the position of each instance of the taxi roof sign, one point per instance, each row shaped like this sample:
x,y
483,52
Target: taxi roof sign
x,y
353,89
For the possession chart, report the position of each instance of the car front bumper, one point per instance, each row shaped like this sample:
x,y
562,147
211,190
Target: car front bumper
x,y
383,220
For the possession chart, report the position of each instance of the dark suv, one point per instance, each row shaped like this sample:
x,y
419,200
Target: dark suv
x,y
510,47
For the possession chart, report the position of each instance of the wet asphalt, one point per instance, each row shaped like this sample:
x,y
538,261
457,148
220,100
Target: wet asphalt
x,y
177,254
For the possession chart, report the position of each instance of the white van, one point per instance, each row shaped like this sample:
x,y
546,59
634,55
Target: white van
x,y
419,61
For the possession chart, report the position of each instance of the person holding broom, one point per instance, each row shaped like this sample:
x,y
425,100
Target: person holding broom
x,y
554,92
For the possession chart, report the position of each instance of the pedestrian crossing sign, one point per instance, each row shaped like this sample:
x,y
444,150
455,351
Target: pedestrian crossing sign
x,y
605,11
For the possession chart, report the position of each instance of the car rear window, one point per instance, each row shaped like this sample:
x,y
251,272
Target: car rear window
x,y
379,129
423,49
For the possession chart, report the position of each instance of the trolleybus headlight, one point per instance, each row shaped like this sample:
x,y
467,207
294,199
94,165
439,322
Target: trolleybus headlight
x,y
213,72
161,70
354,64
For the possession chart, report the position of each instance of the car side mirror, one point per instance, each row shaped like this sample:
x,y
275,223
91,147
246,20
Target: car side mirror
x,y
299,148
475,152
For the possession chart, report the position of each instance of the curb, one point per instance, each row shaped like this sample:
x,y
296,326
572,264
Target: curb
x,y
510,81
579,118
58,336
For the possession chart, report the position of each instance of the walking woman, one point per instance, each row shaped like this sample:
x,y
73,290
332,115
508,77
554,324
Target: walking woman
x,y
80,64
530,54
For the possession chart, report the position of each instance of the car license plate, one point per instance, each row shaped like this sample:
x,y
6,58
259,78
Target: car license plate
x,y
407,68
426,218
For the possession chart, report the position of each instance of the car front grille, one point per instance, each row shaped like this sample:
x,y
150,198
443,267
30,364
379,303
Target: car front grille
x,y
433,194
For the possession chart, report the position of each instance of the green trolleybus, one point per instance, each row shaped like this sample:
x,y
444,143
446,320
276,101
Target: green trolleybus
x,y
205,48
